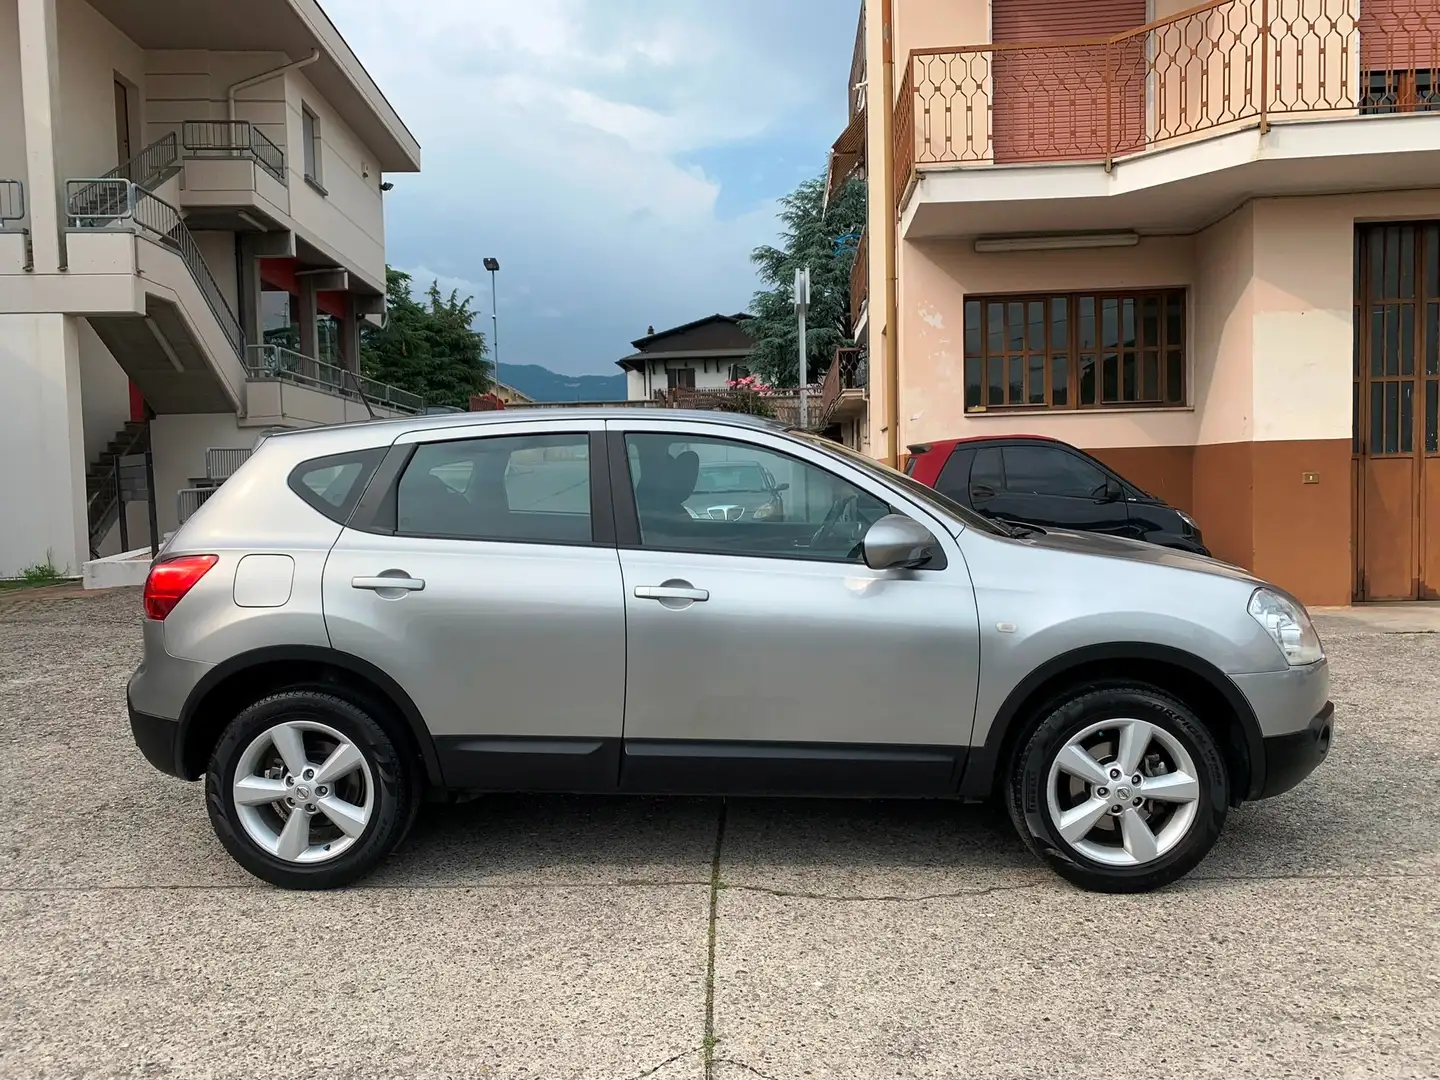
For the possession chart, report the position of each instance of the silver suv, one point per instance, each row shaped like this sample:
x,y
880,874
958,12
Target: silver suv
x,y
370,615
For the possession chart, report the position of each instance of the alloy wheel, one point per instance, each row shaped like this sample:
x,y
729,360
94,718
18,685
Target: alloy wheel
x,y
1123,792
303,792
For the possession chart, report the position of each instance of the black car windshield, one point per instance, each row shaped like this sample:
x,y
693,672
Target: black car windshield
x,y
721,479
916,490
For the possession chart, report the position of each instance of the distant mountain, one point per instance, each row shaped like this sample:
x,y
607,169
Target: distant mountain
x,y
542,384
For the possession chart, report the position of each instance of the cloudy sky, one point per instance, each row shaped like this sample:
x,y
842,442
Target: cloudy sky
x,y
620,158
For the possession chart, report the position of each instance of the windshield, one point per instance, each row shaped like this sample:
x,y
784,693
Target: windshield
x,y
916,490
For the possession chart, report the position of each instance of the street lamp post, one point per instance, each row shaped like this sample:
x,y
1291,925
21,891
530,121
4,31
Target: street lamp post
x,y
493,265
802,306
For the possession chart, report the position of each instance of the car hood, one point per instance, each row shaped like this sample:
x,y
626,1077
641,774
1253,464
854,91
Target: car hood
x,y
1115,547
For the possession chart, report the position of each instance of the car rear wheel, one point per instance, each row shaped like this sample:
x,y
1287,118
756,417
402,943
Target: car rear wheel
x,y
1120,789
308,791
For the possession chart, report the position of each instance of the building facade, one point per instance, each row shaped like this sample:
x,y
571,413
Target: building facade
x,y
706,354
191,232
1202,243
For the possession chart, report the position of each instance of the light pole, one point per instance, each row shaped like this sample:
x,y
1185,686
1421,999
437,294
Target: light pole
x,y
493,265
802,305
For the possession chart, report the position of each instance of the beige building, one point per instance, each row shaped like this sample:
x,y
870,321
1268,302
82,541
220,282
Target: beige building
x,y
191,230
1201,242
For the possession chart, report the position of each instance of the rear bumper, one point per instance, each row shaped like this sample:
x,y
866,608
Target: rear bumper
x,y
157,738
1290,758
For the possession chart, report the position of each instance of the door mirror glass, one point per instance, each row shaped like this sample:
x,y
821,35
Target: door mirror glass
x,y
896,542
782,487
1113,491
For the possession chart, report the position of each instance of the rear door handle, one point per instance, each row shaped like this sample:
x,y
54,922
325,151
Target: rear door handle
x,y
980,492
375,584
670,592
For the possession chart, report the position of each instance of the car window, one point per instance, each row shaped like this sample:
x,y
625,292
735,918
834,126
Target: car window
x,y
695,493
954,478
988,470
1044,470
526,488
333,484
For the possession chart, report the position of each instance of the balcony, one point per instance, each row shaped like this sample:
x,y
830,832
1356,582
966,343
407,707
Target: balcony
x,y
860,284
286,388
235,177
842,394
1170,124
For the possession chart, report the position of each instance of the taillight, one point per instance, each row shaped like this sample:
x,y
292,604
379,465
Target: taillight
x,y
170,580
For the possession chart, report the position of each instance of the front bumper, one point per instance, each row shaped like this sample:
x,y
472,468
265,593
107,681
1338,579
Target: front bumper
x,y
1290,758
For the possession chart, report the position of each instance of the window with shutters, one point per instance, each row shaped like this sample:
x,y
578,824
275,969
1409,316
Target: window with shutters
x,y
1075,351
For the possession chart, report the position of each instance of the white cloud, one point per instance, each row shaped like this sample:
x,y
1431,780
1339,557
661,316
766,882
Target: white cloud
x,y
555,136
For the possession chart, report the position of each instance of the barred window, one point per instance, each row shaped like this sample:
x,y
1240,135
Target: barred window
x,y
1075,351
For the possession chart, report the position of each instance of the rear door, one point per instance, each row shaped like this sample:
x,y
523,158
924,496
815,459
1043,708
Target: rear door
x,y
480,573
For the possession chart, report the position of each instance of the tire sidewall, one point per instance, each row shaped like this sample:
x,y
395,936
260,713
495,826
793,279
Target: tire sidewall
x,y
388,815
1033,772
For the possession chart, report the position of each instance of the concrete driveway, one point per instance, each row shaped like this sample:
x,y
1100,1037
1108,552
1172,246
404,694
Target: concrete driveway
x,y
626,938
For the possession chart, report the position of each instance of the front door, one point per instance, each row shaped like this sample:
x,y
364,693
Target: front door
x,y
485,582
762,654
1396,439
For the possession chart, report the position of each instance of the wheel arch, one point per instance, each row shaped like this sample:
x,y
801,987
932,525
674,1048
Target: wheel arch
x,y
240,681
1205,688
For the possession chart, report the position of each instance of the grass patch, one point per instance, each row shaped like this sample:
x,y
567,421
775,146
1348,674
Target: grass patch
x,y
34,577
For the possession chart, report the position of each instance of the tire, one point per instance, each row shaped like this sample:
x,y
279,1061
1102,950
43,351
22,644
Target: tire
x,y
386,778
1100,860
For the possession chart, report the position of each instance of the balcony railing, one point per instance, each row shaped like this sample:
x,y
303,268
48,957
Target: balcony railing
x,y
846,373
233,139
1221,65
859,279
110,203
274,362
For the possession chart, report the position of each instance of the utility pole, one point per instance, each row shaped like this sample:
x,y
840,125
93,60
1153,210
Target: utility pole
x,y
802,305
493,265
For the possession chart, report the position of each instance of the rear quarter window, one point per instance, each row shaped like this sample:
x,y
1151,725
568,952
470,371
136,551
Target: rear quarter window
x,y
334,484
954,478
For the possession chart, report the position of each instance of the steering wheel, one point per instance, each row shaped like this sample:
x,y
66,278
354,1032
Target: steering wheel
x,y
843,511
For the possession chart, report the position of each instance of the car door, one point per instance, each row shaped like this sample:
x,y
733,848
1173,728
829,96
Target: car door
x,y
480,573
1047,485
762,655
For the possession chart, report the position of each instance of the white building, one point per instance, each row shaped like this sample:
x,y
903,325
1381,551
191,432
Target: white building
x,y
180,183
701,355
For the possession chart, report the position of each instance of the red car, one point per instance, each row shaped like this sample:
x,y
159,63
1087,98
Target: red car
x,y
1035,480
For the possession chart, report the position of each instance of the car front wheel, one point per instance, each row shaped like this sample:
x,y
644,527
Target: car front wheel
x,y
1120,789
308,791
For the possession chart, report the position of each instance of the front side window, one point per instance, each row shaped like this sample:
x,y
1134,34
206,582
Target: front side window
x,y
733,498
522,488
1075,351
1042,470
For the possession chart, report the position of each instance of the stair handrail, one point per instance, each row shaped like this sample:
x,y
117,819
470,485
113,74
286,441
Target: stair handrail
x,y
147,168
108,511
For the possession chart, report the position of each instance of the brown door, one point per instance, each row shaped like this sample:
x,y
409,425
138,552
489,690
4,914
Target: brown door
x,y
1050,97
122,121
1396,414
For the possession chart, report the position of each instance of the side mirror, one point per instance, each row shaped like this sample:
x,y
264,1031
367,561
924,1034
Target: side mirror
x,y
782,487
896,542
1113,491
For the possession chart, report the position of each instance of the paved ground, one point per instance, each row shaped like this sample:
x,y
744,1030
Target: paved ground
x,y
606,939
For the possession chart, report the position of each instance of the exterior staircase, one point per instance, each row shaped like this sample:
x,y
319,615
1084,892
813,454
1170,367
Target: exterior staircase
x,y
92,203
102,499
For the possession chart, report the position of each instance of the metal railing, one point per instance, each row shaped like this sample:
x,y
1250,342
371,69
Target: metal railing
x,y
12,201
279,363
188,500
221,462
782,405
1222,64
110,202
859,279
233,138
846,372
104,196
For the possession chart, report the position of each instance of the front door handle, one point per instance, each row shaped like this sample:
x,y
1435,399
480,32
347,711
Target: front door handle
x,y
980,493
378,584
670,592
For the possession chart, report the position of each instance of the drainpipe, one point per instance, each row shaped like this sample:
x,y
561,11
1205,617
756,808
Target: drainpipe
x,y
890,245
264,76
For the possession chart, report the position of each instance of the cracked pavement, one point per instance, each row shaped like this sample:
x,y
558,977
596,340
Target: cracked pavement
x,y
547,937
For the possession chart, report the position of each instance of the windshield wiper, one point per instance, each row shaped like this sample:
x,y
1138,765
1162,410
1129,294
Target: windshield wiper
x,y
1020,529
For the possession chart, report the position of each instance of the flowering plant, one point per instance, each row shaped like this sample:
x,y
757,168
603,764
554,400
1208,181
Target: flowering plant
x,y
748,395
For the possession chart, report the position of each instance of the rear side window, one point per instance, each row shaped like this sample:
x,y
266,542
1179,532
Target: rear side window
x,y
334,484
954,478
522,489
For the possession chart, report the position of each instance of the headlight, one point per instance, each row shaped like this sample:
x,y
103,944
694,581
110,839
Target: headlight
x,y
763,511
1188,520
1290,626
